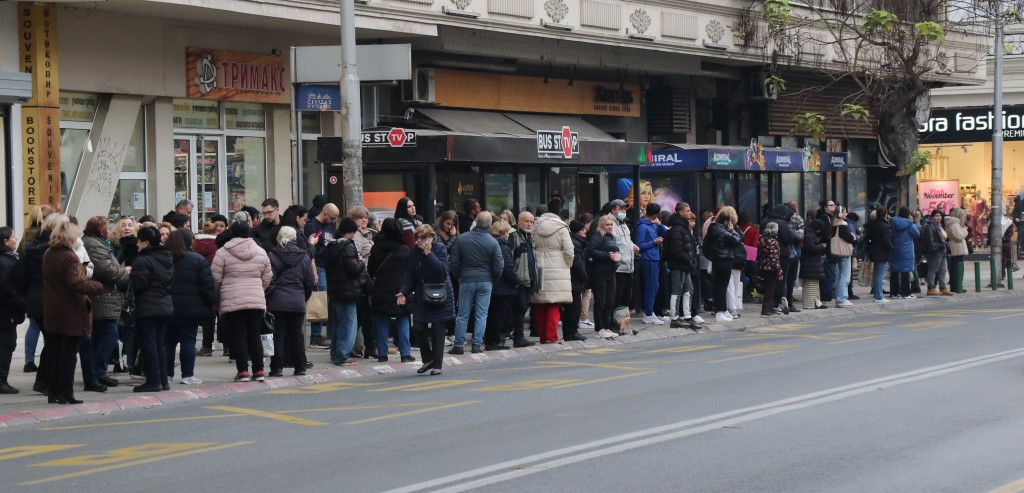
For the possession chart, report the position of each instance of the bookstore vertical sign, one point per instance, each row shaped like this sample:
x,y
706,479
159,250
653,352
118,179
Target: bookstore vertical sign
x,y
40,117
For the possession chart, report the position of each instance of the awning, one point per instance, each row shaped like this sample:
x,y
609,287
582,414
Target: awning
x,y
677,157
15,87
510,123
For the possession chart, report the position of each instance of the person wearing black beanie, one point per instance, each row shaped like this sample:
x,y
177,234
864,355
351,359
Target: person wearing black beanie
x,y
347,225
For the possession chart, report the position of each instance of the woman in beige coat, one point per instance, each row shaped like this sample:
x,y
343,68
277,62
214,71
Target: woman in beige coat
x,y
956,230
554,251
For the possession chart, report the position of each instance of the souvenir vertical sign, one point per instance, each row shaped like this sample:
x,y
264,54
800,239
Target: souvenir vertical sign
x,y
40,117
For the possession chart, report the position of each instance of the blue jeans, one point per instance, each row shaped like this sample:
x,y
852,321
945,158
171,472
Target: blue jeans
x,y
649,271
104,340
843,279
317,329
184,334
382,329
31,340
343,316
880,268
476,296
828,288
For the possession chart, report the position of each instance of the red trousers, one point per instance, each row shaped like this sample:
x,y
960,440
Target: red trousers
x,y
547,320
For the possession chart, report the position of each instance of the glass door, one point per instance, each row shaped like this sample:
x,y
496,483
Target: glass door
x,y
199,175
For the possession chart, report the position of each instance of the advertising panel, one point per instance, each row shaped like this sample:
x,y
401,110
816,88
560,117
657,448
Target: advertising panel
x,y
932,193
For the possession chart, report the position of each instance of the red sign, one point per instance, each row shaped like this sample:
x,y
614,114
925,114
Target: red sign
x,y
333,180
396,137
566,142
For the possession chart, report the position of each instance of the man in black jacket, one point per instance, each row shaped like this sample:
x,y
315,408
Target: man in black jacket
x,y
682,262
827,216
266,232
788,239
12,307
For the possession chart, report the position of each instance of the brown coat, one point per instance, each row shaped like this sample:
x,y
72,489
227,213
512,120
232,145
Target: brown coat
x,y
66,306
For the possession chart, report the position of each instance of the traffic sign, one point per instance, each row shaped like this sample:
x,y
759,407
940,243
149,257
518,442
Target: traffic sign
x,y
563,144
333,180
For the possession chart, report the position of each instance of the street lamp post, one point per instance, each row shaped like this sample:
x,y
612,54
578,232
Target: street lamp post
x,y
351,129
995,229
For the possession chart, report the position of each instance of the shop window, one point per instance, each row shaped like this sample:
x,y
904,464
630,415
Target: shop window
x,y
129,199
747,200
790,187
135,157
245,116
381,193
78,106
310,121
812,191
196,113
498,187
563,181
73,144
246,171
857,190
529,189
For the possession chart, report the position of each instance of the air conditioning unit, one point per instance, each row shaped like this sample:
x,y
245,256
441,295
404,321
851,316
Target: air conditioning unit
x,y
421,88
758,90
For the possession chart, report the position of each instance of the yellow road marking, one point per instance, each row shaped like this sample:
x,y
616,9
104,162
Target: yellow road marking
x,y
787,336
930,324
322,388
1012,315
410,413
684,349
263,414
421,386
94,470
762,348
355,408
782,327
124,454
141,422
1014,487
602,380
601,350
27,450
572,354
857,339
528,385
861,324
610,366
748,356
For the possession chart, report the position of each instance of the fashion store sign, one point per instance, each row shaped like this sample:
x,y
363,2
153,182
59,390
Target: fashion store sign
x,y
956,125
234,76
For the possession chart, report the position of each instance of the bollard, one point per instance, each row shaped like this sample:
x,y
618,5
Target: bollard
x,y
977,277
994,280
1009,277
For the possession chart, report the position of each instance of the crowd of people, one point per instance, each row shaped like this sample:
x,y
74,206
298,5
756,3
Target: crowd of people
x,y
136,295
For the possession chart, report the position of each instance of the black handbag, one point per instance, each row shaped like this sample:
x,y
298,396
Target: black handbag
x,y
128,314
268,323
434,294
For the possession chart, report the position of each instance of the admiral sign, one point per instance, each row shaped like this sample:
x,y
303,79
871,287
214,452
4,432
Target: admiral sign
x,y
563,144
396,137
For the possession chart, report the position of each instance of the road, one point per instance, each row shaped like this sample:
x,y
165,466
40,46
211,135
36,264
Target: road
x,y
927,400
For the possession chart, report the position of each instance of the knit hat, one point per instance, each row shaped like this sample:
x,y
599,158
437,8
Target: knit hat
x,y
219,217
347,225
575,226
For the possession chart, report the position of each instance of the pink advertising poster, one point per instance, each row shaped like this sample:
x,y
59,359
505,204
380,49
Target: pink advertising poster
x,y
932,193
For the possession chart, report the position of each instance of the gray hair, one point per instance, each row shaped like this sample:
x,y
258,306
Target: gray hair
x,y
483,220
242,217
771,228
286,235
182,203
523,215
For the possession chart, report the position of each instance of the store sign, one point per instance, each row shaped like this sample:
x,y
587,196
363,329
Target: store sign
x,y
678,160
396,137
245,116
558,143
955,125
834,161
932,193
783,161
195,113
317,97
234,76
40,115
725,159
78,106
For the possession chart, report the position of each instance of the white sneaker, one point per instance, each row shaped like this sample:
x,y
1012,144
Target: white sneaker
x,y
191,381
697,320
449,341
723,317
607,334
844,304
910,297
653,320
586,324
883,300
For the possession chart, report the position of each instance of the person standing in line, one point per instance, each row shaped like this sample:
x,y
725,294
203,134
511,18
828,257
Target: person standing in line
x,y
682,261
320,228
851,223
205,244
554,251
650,236
587,219
364,239
571,318
521,244
624,274
289,290
27,280
904,232
955,227
503,293
734,293
604,258
32,231
841,231
344,268
470,209
193,298
241,275
788,241
477,261
769,266
878,243
428,264
719,244
405,213
12,308
67,311
265,233
827,214
152,281
387,267
106,306
812,268
935,239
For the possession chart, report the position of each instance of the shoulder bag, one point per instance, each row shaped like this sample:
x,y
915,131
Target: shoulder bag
x,y
434,294
839,247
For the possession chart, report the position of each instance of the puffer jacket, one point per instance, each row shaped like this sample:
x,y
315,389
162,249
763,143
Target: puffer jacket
x,y
341,261
431,268
153,281
293,279
67,310
205,245
127,251
106,270
579,264
27,277
241,272
788,238
12,305
954,224
554,250
932,237
769,260
720,243
265,234
813,252
878,239
388,264
508,281
622,238
193,294
904,231
679,245
599,255
477,257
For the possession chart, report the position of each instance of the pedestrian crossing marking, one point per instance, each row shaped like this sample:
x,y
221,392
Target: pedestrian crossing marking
x,y
684,349
853,325
529,385
322,388
27,450
419,387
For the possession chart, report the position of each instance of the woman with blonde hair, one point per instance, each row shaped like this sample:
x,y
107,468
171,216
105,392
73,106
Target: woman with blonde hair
x,y
35,221
604,256
36,217
123,240
27,279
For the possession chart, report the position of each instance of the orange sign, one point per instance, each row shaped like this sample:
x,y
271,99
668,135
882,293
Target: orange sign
x,y
477,90
40,156
38,51
234,76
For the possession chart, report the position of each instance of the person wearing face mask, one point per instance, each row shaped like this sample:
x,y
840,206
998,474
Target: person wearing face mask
x,y
628,250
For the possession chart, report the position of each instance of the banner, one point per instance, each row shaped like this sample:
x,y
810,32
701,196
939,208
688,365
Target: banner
x,y
932,193
233,76
40,116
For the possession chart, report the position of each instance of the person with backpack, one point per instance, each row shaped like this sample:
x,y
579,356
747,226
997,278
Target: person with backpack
x,y
935,238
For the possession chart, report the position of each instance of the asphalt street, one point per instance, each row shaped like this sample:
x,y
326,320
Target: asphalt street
x,y
922,400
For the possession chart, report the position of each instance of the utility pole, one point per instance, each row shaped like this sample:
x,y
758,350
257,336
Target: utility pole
x,y
351,129
995,229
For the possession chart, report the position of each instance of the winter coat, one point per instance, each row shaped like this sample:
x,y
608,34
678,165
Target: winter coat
x,y
12,305
579,264
389,263
622,238
67,310
341,261
431,269
476,257
679,245
265,235
113,276
521,244
127,250
599,251
878,240
30,234
192,294
646,233
957,234
241,273
788,237
813,252
554,250
205,245
769,260
364,243
720,243
153,281
27,277
508,281
314,226
292,284
933,237
904,231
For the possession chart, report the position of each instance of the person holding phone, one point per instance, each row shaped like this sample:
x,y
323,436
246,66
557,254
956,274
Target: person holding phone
x,y
428,264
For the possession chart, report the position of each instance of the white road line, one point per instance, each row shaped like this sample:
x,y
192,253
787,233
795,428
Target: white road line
x,y
546,461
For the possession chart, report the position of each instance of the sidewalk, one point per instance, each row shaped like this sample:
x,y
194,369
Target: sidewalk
x,y
217,371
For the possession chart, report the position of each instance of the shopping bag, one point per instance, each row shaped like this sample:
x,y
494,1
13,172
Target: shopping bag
x,y
316,307
866,272
268,344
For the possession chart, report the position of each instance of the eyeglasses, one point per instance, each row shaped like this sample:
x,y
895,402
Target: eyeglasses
x,y
271,211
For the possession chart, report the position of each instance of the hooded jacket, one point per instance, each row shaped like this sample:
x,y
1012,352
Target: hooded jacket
x,y
241,273
647,232
620,231
554,250
292,284
389,263
788,238
476,257
205,245
599,255
957,232
933,237
579,264
341,261
679,245
813,252
152,280
904,231
113,276
193,294
27,277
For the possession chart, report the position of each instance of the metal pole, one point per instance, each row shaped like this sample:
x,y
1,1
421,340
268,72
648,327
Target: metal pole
x,y
351,131
996,228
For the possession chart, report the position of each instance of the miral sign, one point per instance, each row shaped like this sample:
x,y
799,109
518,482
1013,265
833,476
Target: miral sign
x,y
235,76
564,144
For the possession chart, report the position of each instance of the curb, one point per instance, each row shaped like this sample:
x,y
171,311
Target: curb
x,y
646,333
